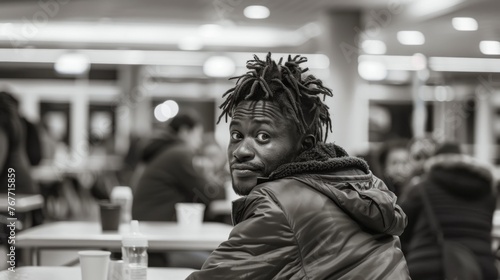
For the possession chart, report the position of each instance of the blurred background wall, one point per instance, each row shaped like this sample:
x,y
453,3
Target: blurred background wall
x,y
101,69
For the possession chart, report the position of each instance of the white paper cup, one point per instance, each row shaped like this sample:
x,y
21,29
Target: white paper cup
x,y
94,264
190,215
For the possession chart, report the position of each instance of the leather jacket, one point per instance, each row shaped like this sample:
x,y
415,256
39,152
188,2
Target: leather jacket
x,y
339,222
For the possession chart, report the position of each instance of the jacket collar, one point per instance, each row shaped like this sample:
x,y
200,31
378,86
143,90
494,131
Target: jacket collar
x,y
322,158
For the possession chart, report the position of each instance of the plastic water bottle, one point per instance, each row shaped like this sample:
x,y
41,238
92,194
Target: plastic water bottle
x,y
134,253
123,196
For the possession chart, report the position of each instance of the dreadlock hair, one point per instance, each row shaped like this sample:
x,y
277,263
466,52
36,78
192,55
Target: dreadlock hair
x,y
296,94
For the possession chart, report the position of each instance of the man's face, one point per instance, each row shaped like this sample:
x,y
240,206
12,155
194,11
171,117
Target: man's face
x,y
261,140
397,167
193,136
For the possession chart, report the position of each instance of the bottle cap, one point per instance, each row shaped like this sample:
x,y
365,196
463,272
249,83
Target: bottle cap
x,y
134,238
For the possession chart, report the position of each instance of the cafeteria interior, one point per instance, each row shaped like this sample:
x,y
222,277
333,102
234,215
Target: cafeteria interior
x,y
95,81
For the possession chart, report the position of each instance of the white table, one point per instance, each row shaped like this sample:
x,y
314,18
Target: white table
x,y
74,273
162,236
23,202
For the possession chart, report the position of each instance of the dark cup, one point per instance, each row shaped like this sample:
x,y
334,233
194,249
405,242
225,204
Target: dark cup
x,y
110,215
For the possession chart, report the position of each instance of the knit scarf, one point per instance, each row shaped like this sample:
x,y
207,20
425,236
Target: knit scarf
x,y
322,158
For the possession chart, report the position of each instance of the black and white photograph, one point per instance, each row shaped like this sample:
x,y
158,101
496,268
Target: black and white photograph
x,y
249,139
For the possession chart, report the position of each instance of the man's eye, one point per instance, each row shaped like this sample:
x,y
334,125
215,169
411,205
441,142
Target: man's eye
x,y
235,136
262,137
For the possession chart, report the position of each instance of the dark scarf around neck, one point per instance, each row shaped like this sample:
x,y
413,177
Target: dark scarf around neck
x,y
322,158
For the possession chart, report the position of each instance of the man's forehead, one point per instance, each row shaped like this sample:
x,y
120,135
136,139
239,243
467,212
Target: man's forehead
x,y
255,109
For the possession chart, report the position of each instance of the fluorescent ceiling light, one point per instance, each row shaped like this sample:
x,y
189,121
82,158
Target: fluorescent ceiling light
x,y
411,38
490,47
159,114
210,30
174,107
419,61
398,76
190,43
391,62
219,66
123,34
256,12
464,23
373,47
436,63
372,70
427,8
72,64
148,57
166,110
464,64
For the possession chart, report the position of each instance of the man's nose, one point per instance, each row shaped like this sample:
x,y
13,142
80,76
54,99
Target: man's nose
x,y
244,151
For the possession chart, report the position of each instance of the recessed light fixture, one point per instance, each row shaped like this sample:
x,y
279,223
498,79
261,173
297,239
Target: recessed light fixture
x,y
373,47
166,110
219,66
72,64
173,107
159,115
372,70
411,38
464,23
256,12
490,47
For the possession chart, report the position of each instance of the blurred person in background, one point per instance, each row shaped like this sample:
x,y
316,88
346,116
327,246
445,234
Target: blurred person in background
x,y
309,210
32,144
13,152
421,149
393,160
462,195
211,162
169,175
15,164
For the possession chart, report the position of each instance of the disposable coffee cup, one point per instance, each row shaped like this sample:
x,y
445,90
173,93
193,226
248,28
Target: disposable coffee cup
x,y
110,215
94,264
190,215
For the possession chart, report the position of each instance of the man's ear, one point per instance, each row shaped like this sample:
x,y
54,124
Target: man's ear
x,y
308,142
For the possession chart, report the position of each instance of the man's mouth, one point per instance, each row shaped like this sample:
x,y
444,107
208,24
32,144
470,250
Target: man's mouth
x,y
243,170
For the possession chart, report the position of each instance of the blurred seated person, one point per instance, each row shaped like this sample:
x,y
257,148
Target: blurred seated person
x,y
32,144
460,192
421,149
212,163
393,160
169,175
15,165
13,155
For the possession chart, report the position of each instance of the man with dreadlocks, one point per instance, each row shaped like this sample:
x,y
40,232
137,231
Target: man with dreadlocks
x,y
308,211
